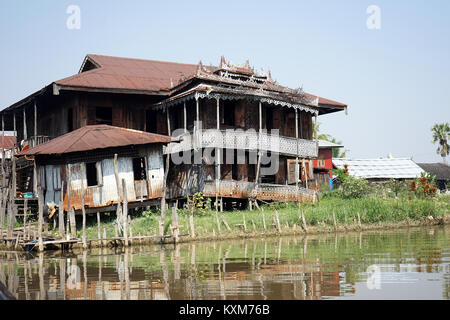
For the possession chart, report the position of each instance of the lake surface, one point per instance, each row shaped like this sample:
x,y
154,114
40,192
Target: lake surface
x,y
403,264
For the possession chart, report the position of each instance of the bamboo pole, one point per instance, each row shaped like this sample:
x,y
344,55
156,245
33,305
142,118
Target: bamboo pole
x,y
83,210
304,221
334,221
125,212
176,227
164,187
225,223
40,218
263,218
119,195
70,211
277,221
99,233
191,223
25,211
217,221
61,211
359,220
243,223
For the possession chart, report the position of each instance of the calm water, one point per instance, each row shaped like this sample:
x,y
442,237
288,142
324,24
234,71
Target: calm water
x,y
406,264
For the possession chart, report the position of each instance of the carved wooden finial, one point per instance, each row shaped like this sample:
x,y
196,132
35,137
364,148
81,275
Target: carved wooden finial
x,y
199,67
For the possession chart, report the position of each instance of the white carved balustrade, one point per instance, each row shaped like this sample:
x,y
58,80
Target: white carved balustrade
x,y
244,140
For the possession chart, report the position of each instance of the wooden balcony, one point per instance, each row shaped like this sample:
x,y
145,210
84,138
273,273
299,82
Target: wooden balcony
x,y
36,140
234,139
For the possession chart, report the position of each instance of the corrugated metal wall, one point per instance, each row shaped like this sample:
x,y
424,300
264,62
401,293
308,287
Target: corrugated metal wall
x,y
105,193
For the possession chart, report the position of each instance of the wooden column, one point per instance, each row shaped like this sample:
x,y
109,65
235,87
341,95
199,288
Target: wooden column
x,y
185,117
24,124
13,159
35,122
217,153
40,218
258,165
296,158
3,153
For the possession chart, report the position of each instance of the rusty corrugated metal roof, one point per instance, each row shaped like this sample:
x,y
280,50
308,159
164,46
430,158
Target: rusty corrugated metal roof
x,y
146,75
9,141
96,137
133,74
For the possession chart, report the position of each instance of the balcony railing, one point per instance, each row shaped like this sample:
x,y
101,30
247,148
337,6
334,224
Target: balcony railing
x,y
36,140
235,139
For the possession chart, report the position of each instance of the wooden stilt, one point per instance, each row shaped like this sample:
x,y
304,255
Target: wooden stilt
x,y
191,222
225,223
61,212
176,230
99,233
125,212
40,218
83,210
334,221
304,221
119,189
263,218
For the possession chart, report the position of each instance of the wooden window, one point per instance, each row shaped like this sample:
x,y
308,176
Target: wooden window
x,y
227,112
103,115
139,169
92,175
70,120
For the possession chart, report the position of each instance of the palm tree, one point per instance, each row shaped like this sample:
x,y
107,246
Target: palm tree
x,y
317,135
440,134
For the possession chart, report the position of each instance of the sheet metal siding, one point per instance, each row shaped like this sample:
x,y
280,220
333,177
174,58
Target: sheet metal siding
x,y
106,193
396,168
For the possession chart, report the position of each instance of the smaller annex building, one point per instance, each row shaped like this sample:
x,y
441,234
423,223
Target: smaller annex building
x,y
382,169
441,171
324,163
84,161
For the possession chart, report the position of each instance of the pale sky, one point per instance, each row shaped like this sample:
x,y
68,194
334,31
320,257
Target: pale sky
x,y
395,80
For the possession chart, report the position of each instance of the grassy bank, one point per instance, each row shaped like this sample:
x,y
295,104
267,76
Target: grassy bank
x,y
375,212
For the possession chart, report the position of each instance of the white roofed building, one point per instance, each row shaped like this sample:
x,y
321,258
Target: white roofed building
x,y
380,169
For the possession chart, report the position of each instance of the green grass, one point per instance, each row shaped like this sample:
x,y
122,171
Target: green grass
x,y
372,210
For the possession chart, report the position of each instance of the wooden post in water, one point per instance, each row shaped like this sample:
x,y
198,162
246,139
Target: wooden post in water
x,y
334,221
277,220
263,219
99,233
25,212
176,228
125,212
83,211
70,211
217,221
61,212
225,223
191,222
40,218
304,221
359,220
104,237
116,176
164,186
